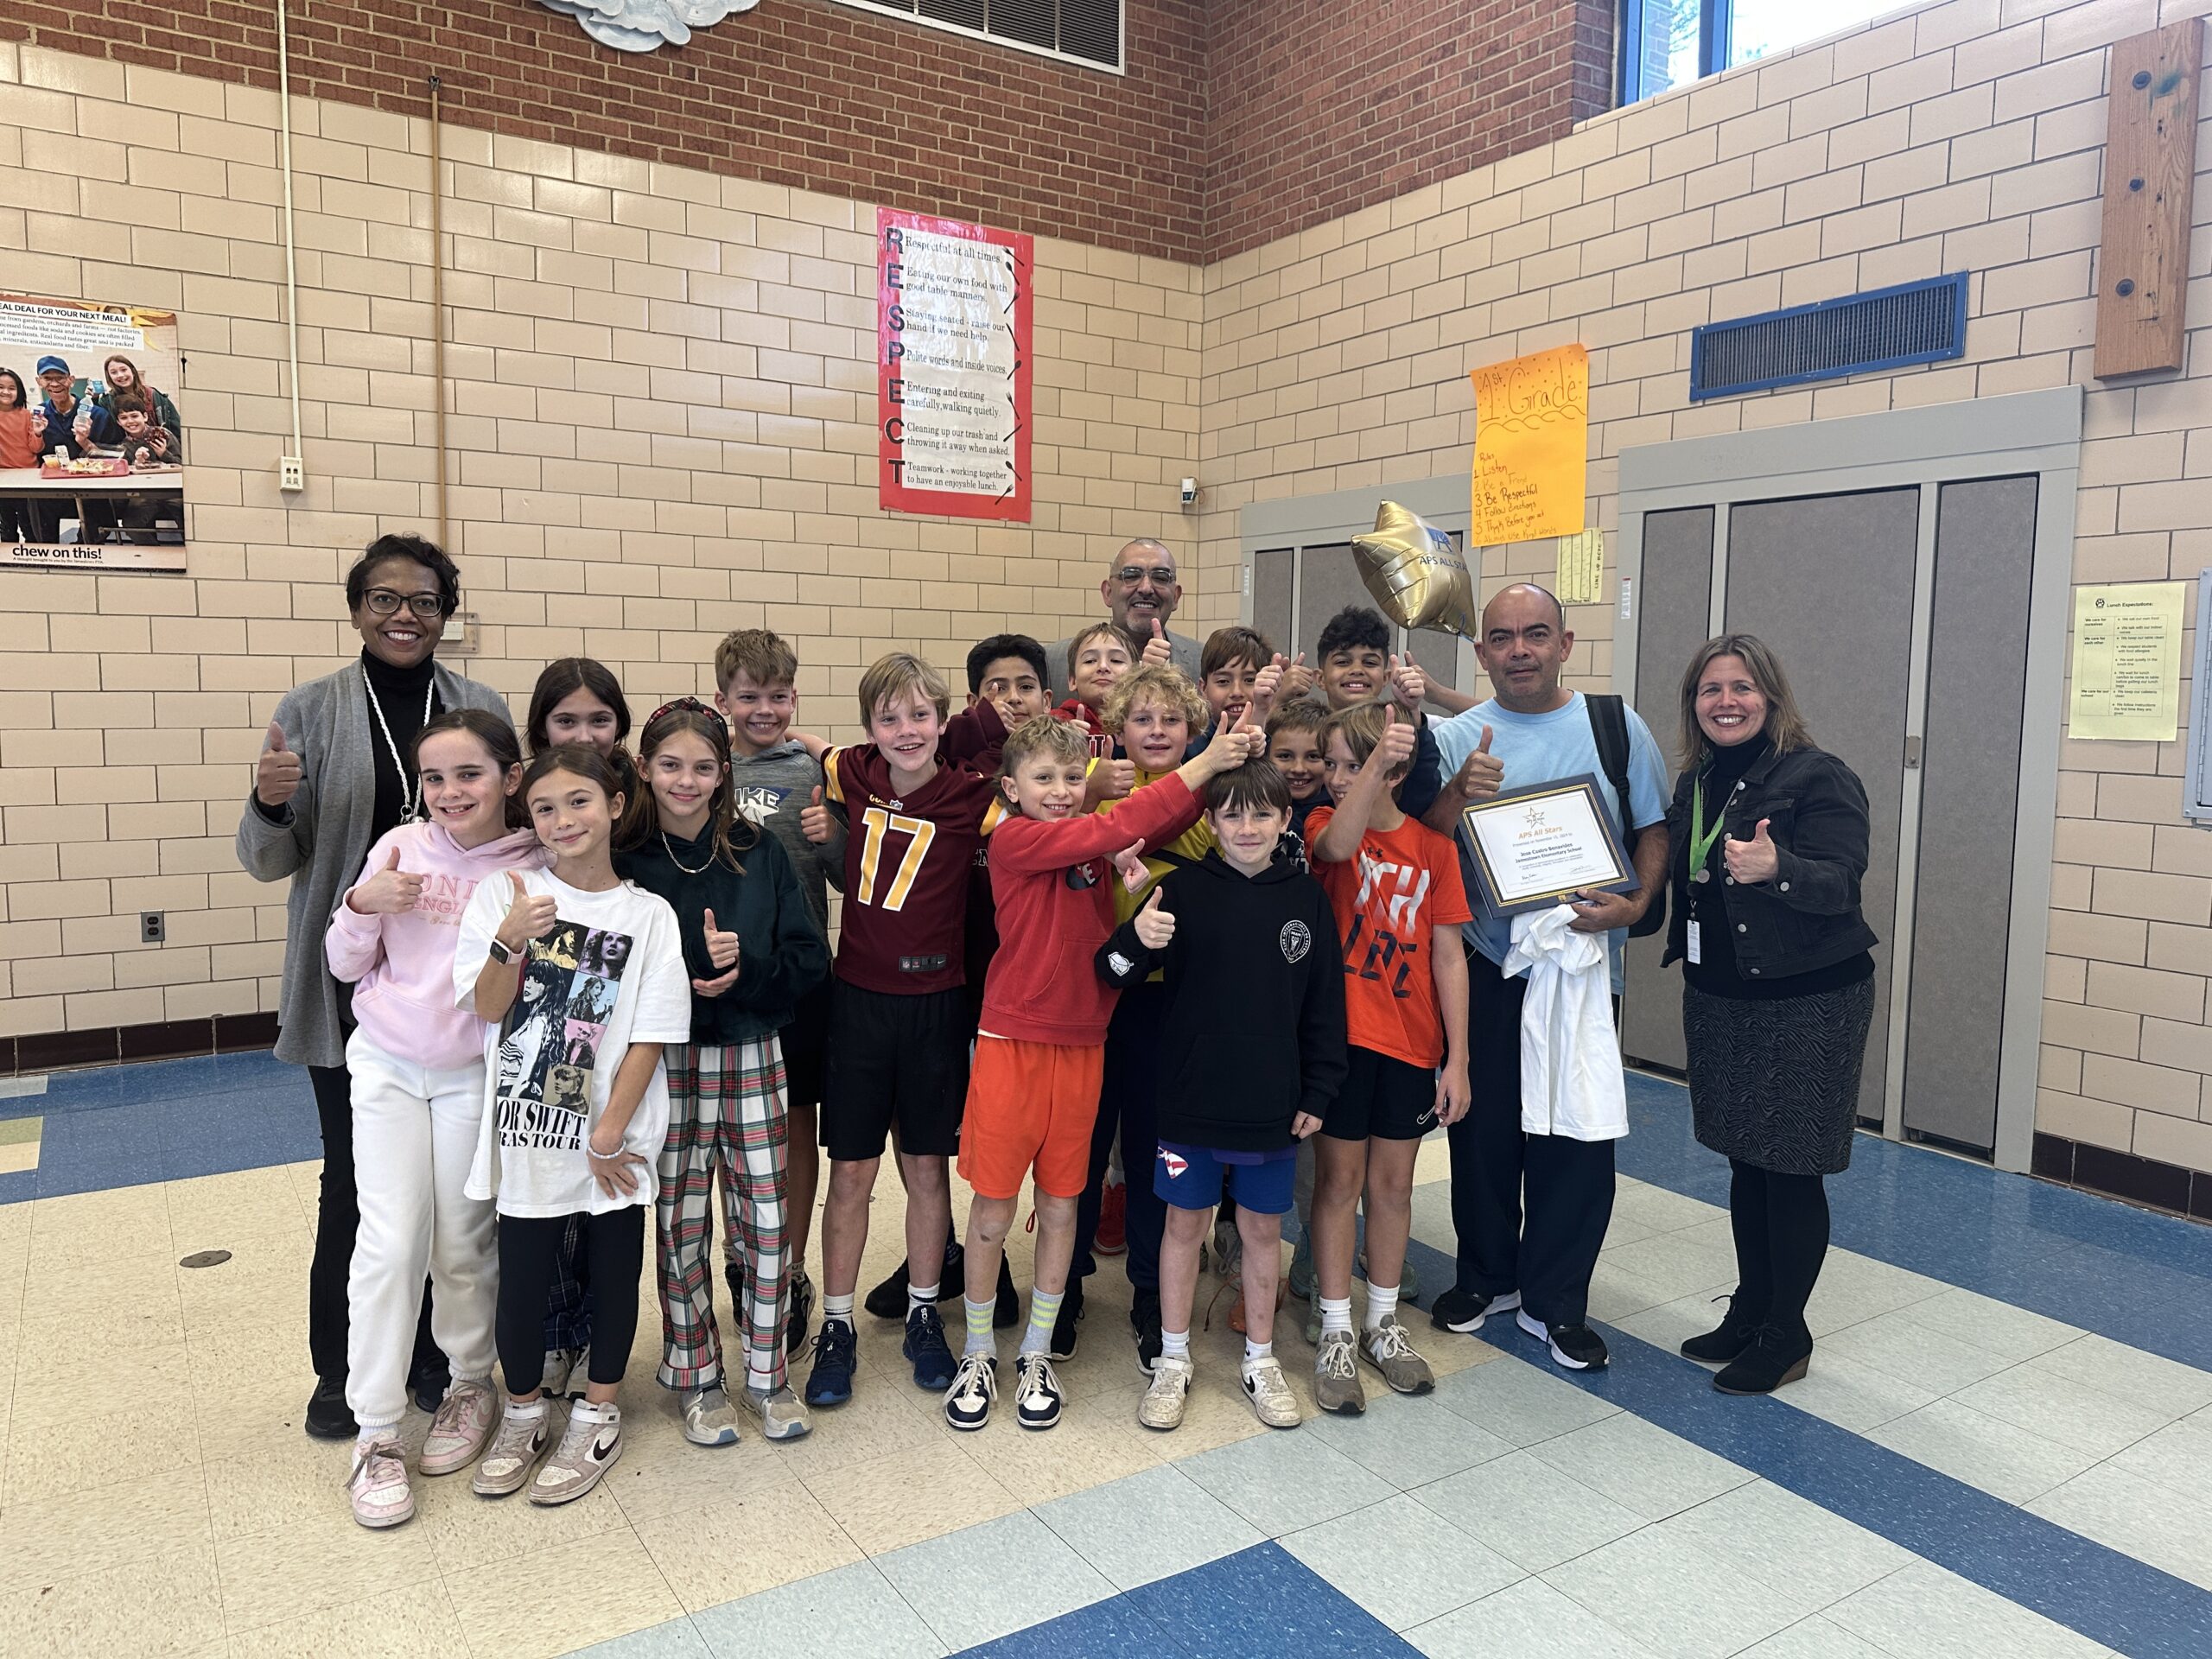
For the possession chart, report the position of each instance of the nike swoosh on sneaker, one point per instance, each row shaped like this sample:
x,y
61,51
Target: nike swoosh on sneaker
x,y
603,1448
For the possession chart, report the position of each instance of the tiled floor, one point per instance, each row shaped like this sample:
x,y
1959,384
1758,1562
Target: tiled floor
x,y
1984,1460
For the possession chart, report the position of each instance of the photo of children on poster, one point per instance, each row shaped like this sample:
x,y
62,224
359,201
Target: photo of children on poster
x,y
569,984
91,441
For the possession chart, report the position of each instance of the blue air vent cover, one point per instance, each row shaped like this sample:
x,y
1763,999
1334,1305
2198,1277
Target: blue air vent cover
x,y
1885,328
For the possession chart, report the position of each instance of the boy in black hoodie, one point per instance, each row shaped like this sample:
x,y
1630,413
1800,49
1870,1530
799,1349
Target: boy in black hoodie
x,y
1233,1111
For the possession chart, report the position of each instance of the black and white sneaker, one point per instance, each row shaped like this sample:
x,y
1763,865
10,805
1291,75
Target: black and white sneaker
x,y
1144,1320
1576,1347
1036,1392
1071,1315
975,1386
1461,1310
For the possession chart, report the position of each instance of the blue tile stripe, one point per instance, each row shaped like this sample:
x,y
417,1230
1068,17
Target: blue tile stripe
x,y
2105,1595
1261,1603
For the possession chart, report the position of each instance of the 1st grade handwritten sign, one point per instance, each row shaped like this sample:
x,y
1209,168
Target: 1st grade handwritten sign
x,y
1532,447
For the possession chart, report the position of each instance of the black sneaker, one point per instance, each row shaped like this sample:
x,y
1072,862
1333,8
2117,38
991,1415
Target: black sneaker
x,y
835,1353
1736,1331
802,1311
888,1300
1462,1311
1064,1328
428,1385
926,1351
733,1276
1036,1392
1144,1319
1770,1361
1007,1313
328,1418
1576,1347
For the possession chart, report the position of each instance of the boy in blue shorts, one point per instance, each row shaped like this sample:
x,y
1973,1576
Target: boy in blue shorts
x,y
1233,1105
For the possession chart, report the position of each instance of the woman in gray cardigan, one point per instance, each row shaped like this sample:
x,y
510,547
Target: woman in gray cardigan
x,y
334,775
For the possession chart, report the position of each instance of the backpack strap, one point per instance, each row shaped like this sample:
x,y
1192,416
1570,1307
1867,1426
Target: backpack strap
x,y
1608,726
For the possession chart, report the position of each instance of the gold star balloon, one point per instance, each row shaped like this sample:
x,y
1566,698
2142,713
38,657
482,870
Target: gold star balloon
x,y
1417,576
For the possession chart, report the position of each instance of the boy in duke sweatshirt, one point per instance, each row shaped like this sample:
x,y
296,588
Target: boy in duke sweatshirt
x,y
1238,924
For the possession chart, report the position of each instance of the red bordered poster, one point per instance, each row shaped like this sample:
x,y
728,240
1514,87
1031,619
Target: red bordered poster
x,y
953,366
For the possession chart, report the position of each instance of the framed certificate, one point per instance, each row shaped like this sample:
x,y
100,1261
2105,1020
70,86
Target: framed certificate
x,y
1531,848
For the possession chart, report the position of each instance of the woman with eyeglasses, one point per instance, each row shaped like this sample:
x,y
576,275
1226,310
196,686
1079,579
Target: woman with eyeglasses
x,y
332,778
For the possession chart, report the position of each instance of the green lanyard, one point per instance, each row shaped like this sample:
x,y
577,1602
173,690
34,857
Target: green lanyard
x,y
1702,839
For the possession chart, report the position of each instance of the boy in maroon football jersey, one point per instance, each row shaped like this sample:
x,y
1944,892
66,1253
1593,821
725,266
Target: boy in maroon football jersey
x,y
899,1024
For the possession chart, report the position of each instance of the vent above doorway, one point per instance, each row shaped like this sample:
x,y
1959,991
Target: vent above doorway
x,y
1885,328
1088,32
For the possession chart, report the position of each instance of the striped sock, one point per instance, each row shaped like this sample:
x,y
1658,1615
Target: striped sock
x,y
1044,1314
980,1339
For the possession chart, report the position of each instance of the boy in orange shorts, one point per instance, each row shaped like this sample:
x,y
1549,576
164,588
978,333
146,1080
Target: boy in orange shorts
x,y
1032,1091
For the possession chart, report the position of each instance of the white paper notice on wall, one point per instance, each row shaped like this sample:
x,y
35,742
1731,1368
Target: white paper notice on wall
x,y
953,375
1628,597
2127,662
1581,579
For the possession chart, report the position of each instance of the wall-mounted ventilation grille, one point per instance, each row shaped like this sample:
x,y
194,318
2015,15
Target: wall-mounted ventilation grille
x,y
1888,328
1089,31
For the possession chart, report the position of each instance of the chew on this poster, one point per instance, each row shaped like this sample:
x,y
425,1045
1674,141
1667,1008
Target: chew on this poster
x,y
91,439
953,366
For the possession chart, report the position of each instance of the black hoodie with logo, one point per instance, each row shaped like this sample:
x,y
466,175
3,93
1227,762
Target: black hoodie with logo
x,y
1255,1030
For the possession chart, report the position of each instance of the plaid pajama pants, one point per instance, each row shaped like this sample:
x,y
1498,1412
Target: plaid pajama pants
x,y
727,1115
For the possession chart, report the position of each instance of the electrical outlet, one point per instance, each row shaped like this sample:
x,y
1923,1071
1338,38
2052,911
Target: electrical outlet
x,y
153,926
292,473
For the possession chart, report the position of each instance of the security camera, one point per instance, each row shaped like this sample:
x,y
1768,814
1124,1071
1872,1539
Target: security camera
x,y
1190,491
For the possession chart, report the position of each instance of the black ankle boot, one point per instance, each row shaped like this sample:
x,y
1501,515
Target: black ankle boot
x,y
1717,1347
1773,1358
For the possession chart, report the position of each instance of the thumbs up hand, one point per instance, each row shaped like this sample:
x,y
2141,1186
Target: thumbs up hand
x,y
1266,685
390,892
1482,773
1155,927
1298,679
1396,746
1156,649
277,771
529,916
814,819
1753,860
1130,862
1408,683
721,952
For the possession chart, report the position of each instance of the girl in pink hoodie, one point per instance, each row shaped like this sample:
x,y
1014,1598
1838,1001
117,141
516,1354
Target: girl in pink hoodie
x,y
418,1066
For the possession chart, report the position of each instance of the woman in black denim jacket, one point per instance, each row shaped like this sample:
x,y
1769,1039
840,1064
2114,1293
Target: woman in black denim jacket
x,y
1769,840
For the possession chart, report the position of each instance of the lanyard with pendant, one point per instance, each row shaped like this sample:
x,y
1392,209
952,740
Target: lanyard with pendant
x,y
1701,840
410,810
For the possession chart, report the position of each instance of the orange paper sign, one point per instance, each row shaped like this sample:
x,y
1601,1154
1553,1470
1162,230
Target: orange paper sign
x,y
1532,447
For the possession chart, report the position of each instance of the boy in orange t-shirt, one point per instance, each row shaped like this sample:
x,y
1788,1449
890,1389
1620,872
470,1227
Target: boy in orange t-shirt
x,y
1394,886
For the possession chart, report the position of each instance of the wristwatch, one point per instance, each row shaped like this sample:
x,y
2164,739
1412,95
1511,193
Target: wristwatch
x,y
501,954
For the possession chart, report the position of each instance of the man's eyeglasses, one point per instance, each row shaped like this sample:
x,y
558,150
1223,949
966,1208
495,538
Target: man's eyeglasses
x,y
1160,576
382,602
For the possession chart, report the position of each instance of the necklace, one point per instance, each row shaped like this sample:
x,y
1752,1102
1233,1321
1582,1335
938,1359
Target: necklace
x,y
679,863
412,811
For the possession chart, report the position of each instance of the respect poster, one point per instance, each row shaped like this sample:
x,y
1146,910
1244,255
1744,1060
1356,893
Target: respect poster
x,y
1532,447
954,366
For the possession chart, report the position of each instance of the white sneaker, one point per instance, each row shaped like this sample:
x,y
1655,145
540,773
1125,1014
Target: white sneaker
x,y
783,1415
562,1365
589,1445
1037,1396
1268,1390
514,1453
461,1429
709,1417
379,1485
974,1387
1162,1405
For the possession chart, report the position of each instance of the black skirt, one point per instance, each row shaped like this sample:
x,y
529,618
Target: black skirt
x,y
1775,1083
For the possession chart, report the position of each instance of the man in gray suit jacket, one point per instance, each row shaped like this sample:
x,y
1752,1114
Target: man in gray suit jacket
x,y
1141,587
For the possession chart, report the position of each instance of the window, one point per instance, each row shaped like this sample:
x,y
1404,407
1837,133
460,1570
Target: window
x,y
1088,32
1671,43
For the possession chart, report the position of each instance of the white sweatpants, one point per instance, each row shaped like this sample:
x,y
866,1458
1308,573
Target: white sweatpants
x,y
414,1132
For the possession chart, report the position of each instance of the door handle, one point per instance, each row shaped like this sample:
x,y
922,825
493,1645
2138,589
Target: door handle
x,y
1912,753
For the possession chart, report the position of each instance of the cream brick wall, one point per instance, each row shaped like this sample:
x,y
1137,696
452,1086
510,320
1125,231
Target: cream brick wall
x,y
1966,135
662,428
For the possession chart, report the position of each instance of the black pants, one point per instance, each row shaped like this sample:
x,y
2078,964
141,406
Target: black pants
x,y
24,519
337,1220
529,1251
1129,1100
1567,1184
1781,1223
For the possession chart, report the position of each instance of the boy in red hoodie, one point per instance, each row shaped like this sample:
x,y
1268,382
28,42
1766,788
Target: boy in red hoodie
x,y
1033,1093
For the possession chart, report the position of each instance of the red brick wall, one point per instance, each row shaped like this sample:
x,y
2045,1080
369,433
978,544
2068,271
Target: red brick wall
x,y
797,92
1237,120
1319,108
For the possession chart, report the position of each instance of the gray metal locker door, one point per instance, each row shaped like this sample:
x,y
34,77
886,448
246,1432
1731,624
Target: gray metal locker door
x,y
1675,607
1272,592
1828,581
1977,692
1328,580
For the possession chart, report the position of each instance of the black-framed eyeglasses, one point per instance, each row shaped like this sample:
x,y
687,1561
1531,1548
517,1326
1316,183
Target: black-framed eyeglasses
x,y
382,602
1160,576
